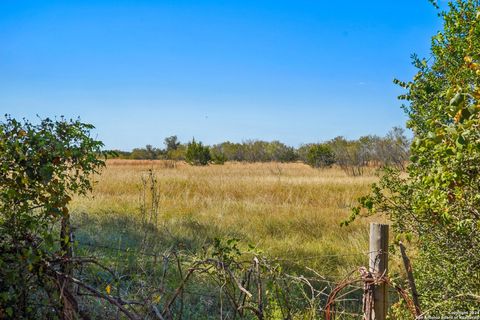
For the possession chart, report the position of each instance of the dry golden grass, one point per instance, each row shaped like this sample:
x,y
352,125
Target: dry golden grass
x,y
290,211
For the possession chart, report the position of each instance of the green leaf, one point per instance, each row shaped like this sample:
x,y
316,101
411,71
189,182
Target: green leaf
x,y
460,142
457,99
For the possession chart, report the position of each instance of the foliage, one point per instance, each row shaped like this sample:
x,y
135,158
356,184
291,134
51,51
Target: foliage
x,y
279,152
438,202
42,166
147,153
232,151
119,154
218,157
350,155
257,151
197,154
395,148
320,156
178,153
171,143
354,155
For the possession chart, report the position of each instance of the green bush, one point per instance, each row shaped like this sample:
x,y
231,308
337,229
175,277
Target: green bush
x,y
42,167
197,154
320,156
218,157
177,154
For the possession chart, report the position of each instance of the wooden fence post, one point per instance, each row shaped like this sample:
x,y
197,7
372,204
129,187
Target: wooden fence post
x,y
378,266
411,280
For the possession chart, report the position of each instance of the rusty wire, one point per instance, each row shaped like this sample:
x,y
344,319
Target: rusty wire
x,y
369,280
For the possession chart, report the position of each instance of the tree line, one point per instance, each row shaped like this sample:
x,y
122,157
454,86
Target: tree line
x,y
351,155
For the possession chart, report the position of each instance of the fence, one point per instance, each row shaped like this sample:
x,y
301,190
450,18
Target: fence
x,y
173,284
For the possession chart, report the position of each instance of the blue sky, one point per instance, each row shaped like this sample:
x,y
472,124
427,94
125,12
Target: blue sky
x,y
297,71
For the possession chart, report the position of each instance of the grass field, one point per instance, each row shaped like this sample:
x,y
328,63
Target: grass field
x,y
288,211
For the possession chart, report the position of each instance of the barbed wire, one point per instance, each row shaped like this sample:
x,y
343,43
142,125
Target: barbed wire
x,y
329,279
139,251
150,288
317,256
136,251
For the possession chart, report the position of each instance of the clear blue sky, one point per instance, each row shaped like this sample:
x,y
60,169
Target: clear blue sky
x,y
297,71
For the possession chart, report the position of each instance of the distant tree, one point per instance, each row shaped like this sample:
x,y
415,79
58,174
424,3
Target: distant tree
x,y
218,157
197,154
138,154
171,143
255,151
177,154
118,154
398,147
278,151
302,152
350,155
151,152
231,151
147,153
320,156
370,147
174,150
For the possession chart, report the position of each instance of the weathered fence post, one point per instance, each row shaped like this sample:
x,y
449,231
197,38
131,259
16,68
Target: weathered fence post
x,y
411,280
378,266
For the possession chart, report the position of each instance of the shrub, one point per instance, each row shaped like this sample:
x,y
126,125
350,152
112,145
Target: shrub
x,y
147,153
42,167
197,154
320,156
218,157
278,151
351,155
177,154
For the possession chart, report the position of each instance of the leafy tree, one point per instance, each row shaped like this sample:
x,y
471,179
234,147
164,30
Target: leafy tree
x,y
118,154
302,152
218,157
437,203
139,154
232,151
174,149
151,152
351,155
278,151
255,151
42,166
320,156
177,154
147,153
171,143
197,154
395,149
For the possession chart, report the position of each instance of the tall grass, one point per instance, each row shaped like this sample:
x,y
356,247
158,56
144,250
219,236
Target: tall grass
x,y
289,211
